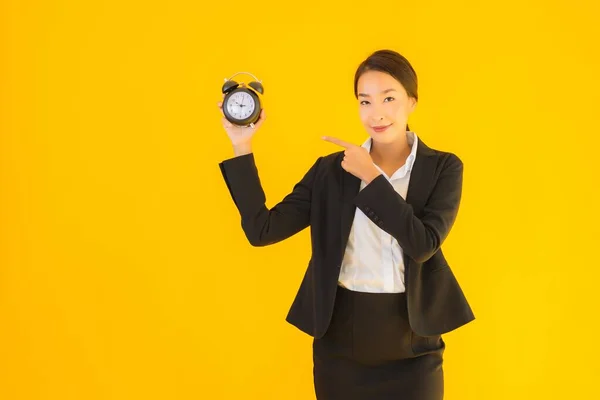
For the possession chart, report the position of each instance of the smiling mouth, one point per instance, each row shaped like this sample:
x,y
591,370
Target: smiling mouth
x,y
380,128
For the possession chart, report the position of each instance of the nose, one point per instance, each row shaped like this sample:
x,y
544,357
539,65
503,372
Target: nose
x,y
376,119
377,114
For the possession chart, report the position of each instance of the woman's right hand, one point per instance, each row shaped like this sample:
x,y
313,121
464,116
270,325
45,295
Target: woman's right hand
x,y
241,135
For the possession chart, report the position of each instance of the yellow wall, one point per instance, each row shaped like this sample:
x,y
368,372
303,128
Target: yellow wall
x,y
124,273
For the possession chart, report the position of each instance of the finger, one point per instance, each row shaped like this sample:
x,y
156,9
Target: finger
x,y
261,118
337,141
220,104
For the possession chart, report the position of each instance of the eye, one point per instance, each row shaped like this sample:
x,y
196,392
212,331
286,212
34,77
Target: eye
x,y
365,102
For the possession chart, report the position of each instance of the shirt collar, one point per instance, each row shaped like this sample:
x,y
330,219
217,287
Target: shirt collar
x,y
412,139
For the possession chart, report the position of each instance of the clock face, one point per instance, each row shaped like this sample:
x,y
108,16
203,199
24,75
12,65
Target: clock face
x,y
240,105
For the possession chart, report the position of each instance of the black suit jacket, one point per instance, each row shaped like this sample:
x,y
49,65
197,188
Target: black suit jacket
x,y
326,198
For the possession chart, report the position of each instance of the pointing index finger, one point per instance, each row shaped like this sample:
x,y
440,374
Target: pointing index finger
x,y
337,141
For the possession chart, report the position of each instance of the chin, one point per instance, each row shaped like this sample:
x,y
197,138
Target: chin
x,y
387,136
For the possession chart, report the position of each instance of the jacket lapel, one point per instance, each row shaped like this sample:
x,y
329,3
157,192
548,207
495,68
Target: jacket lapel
x,y
350,185
420,185
421,178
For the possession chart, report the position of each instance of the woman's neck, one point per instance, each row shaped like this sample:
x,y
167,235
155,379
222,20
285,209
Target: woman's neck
x,y
390,154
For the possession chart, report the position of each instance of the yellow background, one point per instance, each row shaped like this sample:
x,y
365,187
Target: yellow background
x,y
124,273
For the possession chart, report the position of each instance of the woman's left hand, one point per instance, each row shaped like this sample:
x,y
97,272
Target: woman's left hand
x,y
357,160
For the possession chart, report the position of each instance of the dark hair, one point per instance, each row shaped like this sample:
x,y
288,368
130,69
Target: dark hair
x,y
394,64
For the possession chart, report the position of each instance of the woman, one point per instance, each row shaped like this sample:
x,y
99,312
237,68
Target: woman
x,y
378,293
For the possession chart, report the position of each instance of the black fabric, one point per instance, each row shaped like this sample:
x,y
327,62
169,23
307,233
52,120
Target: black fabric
x,y
369,352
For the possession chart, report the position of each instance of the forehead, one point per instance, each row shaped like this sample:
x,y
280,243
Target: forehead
x,y
372,82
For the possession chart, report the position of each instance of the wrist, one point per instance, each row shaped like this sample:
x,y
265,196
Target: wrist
x,y
243,148
371,176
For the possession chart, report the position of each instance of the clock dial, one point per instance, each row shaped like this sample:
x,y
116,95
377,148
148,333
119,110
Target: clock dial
x,y
240,105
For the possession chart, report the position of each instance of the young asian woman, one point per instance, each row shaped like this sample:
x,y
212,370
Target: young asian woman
x,y
378,293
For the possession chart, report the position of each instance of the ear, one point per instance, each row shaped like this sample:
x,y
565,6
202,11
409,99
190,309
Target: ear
x,y
413,103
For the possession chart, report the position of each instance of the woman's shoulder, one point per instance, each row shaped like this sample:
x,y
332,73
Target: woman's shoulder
x,y
324,168
332,158
329,162
445,158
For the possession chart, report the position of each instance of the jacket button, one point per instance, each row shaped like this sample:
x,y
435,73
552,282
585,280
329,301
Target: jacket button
x,y
371,213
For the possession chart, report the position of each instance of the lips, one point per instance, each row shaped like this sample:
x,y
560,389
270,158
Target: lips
x,y
380,128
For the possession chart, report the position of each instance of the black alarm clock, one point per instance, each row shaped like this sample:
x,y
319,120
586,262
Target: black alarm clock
x,y
241,105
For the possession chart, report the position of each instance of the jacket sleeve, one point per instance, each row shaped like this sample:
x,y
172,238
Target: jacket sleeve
x,y
420,238
263,226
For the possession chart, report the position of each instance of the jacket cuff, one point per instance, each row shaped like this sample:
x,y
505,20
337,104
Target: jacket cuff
x,y
377,198
241,176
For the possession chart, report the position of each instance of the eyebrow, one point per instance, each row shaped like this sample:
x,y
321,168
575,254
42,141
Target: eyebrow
x,y
384,92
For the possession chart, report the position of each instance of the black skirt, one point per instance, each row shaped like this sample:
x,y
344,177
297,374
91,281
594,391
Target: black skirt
x,y
370,352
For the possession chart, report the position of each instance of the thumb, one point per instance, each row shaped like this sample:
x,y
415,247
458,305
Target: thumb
x,y
261,119
226,123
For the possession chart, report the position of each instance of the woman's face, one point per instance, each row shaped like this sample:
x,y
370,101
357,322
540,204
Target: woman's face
x,y
383,101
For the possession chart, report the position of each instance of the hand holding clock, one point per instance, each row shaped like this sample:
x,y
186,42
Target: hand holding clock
x,y
241,136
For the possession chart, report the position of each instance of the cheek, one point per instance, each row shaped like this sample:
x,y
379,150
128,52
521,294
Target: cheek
x,y
363,114
397,109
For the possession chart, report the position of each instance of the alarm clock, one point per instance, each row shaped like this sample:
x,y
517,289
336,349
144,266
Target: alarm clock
x,y
241,105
